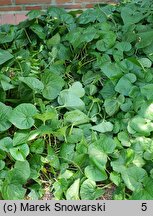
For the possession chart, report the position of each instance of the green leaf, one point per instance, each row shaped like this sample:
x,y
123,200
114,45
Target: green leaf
x,y
115,178
94,174
20,153
97,156
37,146
145,193
77,89
107,42
13,191
111,106
38,30
52,85
21,172
7,34
133,177
22,116
34,14
106,144
124,138
103,127
111,70
130,15
35,166
53,158
119,193
123,46
146,111
4,113
53,40
146,38
49,114
6,143
141,125
146,63
5,82
2,155
127,106
5,56
89,190
99,149
20,137
66,175
125,158
87,17
124,85
33,83
73,191
12,187
67,152
2,164
146,90
75,135
70,100
107,90
76,117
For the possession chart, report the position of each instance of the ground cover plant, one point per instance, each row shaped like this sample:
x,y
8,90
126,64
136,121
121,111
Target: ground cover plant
x,y
76,103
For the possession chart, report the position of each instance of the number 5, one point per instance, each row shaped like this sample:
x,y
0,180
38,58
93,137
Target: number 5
x,y
144,207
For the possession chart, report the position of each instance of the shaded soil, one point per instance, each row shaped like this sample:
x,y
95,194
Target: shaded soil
x,y
108,195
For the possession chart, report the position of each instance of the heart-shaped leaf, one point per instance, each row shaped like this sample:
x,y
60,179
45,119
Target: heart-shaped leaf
x,y
20,153
22,116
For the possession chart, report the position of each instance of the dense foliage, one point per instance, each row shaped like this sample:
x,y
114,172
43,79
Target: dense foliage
x,y
76,103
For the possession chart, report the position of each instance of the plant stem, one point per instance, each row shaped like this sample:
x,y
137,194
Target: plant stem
x,y
27,36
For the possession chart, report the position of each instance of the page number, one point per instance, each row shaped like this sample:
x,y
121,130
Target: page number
x,y
144,206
